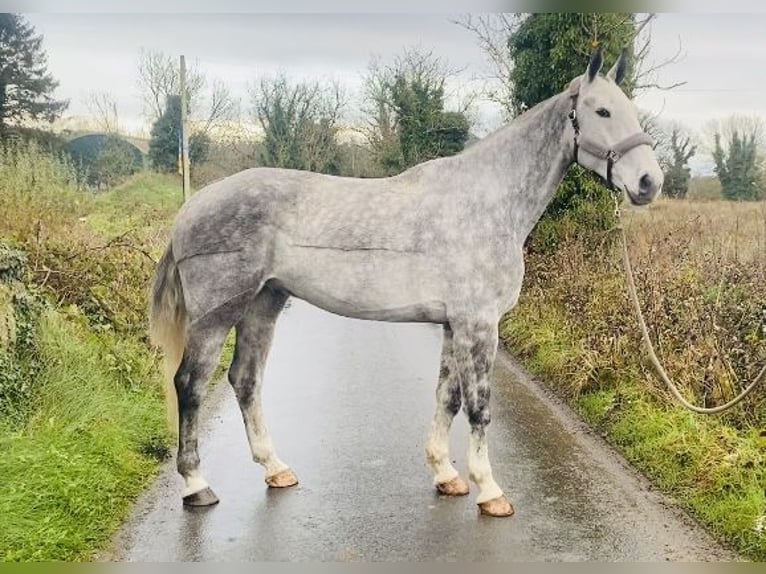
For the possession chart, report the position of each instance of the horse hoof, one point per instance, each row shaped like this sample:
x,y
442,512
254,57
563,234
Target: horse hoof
x,y
455,487
205,497
499,506
282,479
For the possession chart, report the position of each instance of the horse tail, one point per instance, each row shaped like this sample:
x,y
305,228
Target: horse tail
x,y
168,322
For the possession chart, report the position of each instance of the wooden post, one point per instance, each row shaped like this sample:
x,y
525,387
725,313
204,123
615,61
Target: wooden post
x,y
184,134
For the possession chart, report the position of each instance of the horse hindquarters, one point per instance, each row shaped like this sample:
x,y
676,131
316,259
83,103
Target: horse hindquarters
x,y
191,350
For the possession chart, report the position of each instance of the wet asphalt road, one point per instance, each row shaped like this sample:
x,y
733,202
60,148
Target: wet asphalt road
x,y
348,404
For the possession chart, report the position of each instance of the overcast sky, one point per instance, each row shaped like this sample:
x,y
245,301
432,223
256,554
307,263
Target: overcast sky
x,y
724,63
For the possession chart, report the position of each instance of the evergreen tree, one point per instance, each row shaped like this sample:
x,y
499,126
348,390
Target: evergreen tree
x,y
738,169
165,138
677,172
408,122
300,124
26,87
425,130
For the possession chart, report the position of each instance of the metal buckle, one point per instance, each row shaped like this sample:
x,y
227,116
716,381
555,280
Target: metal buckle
x,y
572,115
612,155
617,197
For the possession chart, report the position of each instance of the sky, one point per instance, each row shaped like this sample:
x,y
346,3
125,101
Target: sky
x,y
723,56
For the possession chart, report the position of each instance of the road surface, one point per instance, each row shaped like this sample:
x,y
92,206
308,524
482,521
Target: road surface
x,y
349,403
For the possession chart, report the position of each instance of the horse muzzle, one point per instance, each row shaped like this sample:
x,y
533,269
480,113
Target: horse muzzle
x,y
647,190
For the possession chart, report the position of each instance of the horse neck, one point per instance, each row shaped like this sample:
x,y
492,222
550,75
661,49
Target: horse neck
x,y
526,160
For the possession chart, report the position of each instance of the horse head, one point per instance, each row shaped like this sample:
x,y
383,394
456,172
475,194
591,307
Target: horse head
x,y
608,137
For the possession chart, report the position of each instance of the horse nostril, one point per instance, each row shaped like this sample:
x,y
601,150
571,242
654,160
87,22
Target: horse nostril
x,y
645,183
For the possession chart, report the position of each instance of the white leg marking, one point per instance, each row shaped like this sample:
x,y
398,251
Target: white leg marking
x,y
479,469
437,442
437,447
195,482
258,436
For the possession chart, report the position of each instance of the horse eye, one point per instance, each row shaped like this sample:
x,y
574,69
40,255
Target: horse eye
x,y
603,112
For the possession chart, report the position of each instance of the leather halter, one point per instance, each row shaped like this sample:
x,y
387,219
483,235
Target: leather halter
x,y
611,156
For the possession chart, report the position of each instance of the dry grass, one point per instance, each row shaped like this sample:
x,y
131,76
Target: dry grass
x,y
701,274
701,269
95,252
734,231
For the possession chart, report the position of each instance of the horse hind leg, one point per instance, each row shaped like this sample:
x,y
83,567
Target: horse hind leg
x,y
200,357
255,332
448,401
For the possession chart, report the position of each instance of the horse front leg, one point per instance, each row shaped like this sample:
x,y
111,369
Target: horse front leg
x,y
448,401
474,350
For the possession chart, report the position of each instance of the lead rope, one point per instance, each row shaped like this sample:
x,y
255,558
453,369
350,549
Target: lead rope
x,y
650,348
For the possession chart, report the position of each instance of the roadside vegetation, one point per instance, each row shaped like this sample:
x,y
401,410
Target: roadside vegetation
x,y
82,423
701,273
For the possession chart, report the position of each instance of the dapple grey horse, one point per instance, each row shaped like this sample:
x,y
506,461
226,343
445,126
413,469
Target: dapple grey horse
x,y
439,243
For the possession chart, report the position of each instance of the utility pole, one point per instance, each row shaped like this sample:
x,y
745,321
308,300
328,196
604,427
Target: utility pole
x,y
184,134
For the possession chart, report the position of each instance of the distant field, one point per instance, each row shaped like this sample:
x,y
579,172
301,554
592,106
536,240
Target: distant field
x,y
704,188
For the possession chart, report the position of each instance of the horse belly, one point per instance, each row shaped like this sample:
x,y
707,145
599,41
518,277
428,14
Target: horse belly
x,y
382,284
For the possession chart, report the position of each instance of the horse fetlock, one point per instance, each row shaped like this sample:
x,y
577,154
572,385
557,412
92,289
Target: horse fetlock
x,y
478,477
435,452
437,457
187,462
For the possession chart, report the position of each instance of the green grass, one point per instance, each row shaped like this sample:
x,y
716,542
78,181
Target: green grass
x,y
72,471
714,470
145,188
549,347
145,201
82,417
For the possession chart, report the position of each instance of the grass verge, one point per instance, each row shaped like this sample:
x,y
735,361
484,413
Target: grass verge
x,y
93,442
82,417
715,470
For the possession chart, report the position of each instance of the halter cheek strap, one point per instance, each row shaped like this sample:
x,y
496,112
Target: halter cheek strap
x,y
611,156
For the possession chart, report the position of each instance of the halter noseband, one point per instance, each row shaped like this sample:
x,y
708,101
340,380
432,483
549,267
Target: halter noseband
x,y
611,156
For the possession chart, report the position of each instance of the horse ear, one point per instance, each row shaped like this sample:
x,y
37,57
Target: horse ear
x,y
617,73
596,61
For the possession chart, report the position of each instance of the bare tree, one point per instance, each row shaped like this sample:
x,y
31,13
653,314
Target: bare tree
x,y
493,31
221,106
103,107
299,121
647,70
377,107
745,125
159,77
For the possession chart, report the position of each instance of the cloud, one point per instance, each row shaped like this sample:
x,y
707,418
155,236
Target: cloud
x,y
724,53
